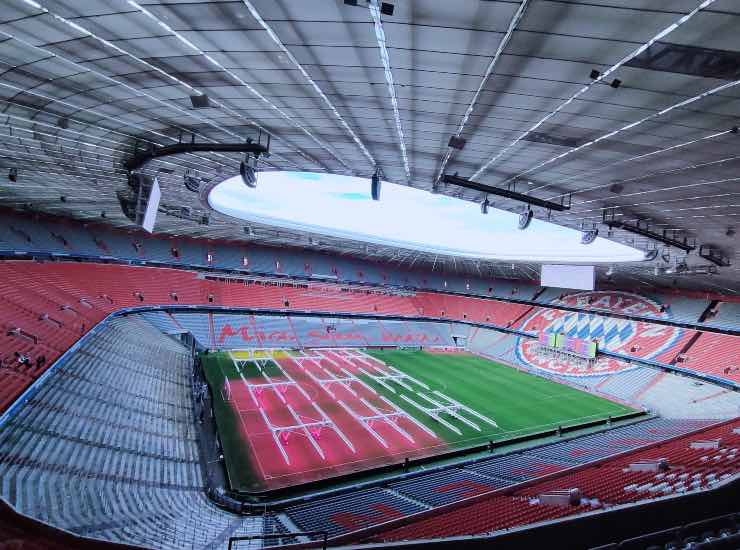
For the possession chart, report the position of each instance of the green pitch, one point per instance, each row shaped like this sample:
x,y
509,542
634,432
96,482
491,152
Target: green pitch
x,y
520,403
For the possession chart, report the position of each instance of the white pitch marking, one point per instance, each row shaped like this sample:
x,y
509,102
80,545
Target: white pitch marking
x,y
364,423
451,410
433,414
467,409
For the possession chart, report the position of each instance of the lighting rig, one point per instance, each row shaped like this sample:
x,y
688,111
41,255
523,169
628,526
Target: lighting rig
x,y
525,218
673,238
375,185
714,255
588,235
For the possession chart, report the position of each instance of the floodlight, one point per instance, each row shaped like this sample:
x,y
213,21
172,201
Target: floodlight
x,y
248,170
650,255
589,236
375,186
192,183
525,218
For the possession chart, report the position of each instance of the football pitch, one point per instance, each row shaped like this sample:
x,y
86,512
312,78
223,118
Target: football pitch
x,y
290,417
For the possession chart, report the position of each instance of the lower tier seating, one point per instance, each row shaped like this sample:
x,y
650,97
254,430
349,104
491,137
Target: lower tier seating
x,y
353,511
594,487
107,447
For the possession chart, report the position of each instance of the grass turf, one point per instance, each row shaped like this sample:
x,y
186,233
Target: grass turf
x,y
518,402
217,367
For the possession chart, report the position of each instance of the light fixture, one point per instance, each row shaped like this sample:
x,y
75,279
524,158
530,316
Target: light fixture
x,y
484,206
375,186
192,183
248,170
610,271
13,174
650,255
525,218
589,236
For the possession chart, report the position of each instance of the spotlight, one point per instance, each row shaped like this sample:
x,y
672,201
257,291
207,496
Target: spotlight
x,y
192,183
13,174
589,236
375,186
248,170
484,206
650,255
525,218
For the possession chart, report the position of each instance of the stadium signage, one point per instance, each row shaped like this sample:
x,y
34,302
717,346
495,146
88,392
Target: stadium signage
x,y
637,338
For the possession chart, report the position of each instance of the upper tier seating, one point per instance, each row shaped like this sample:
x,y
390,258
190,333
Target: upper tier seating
x,y
47,307
715,354
476,310
727,316
19,232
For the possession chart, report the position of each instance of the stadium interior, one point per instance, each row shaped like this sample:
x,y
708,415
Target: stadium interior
x,y
352,273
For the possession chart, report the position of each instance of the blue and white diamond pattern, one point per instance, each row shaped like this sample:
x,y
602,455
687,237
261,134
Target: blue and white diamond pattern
x,y
611,333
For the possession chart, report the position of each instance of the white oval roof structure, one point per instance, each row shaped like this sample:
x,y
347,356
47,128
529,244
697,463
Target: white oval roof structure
x,y
341,206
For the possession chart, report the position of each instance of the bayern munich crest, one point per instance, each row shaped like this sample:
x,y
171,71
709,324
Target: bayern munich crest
x,y
636,338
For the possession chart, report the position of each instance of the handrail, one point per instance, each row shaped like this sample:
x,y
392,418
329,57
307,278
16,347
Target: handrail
x,y
323,534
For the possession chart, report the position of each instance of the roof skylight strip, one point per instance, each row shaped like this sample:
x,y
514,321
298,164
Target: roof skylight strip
x,y
380,37
624,161
164,73
629,126
137,92
662,34
79,108
276,39
489,70
243,83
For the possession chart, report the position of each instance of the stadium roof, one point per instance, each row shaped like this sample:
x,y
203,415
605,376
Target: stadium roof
x,y
624,104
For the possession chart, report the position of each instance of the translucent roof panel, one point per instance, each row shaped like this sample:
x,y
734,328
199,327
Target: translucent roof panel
x,y
341,206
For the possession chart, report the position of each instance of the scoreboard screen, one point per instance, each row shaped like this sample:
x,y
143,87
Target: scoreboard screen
x,y
584,348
